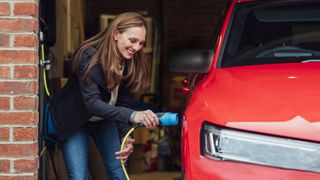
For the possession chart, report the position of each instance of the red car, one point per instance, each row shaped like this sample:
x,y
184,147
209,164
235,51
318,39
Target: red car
x,y
254,109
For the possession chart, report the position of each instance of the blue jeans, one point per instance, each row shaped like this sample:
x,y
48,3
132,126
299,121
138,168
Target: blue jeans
x,y
75,150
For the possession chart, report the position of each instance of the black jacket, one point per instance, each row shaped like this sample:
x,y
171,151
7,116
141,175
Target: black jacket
x,y
77,102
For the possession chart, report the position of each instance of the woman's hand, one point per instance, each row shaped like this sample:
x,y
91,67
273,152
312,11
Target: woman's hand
x,y
148,118
126,152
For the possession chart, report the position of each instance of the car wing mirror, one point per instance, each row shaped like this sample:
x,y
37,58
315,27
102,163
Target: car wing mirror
x,y
191,61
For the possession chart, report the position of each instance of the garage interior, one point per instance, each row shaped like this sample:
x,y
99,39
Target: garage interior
x,y
172,25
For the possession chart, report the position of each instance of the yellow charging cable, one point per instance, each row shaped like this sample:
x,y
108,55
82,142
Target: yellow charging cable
x,y
43,64
122,147
44,71
43,151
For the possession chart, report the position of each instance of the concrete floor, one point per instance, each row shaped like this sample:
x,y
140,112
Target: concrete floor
x,y
157,176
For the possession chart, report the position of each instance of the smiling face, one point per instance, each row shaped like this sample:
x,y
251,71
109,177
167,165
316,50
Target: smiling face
x,y
130,41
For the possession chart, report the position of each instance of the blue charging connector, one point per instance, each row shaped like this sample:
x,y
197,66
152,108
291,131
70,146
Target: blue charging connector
x,y
168,118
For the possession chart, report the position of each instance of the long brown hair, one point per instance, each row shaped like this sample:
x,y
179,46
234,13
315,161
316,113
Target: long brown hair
x,y
107,54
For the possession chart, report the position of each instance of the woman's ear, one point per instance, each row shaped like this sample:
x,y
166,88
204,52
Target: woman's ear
x,y
116,35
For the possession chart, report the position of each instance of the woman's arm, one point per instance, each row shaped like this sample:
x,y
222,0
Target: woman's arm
x,y
91,93
92,99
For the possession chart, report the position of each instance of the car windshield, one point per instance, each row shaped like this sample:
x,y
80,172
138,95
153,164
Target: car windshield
x,y
273,32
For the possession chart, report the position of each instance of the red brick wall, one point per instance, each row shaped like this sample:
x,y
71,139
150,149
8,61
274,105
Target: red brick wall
x,y
18,89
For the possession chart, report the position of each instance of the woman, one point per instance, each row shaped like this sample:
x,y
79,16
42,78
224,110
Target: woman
x,y
109,68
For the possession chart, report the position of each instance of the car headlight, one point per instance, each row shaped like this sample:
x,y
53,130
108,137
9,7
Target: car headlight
x,y
227,144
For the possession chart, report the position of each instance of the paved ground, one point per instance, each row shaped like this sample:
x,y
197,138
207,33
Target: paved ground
x,y
157,176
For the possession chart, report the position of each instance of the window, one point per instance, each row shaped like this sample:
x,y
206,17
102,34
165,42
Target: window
x,y
273,32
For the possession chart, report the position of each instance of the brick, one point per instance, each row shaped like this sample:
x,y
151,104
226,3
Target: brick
x,y
4,72
18,56
25,134
18,25
26,84
34,177
26,8
20,150
26,165
16,88
22,102
4,103
4,135
4,166
22,40
10,118
25,72
4,40
4,9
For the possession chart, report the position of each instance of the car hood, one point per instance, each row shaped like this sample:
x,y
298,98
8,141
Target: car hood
x,y
279,99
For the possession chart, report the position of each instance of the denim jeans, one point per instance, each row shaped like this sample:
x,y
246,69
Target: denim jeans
x,y
75,150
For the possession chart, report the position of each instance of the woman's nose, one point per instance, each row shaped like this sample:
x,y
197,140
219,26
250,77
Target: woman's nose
x,y
136,46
